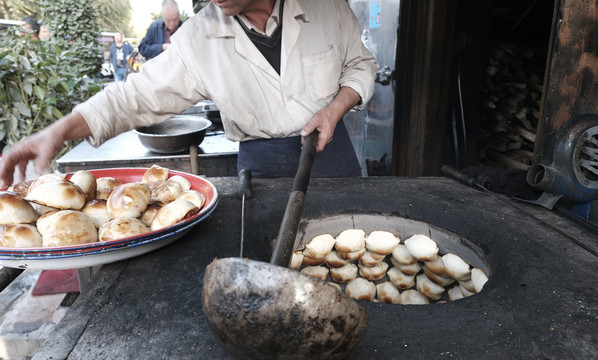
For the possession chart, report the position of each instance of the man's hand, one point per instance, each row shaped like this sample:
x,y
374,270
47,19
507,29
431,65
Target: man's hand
x,y
165,46
41,147
326,119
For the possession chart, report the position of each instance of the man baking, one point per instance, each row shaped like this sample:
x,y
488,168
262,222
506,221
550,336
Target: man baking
x,y
277,70
157,37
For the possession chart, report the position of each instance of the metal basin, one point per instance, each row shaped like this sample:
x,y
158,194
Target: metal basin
x,y
174,135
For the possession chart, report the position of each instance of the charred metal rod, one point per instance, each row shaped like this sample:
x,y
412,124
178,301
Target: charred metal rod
x,y
463,178
244,193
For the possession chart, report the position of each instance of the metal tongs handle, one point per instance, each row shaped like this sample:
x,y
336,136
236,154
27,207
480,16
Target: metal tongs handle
x,y
244,192
283,251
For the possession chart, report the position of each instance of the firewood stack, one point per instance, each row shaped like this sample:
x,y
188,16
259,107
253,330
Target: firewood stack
x,y
512,95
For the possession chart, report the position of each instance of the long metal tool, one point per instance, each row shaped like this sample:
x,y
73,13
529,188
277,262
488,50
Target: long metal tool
x,y
244,192
283,250
465,179
260,310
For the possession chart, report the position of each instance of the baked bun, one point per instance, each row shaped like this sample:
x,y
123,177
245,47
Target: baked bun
x,y
313,262
194,196
97,211
454,293
436,266
15,210
172,213
345,273
468,285
335,261
411,269
185,184
45,220
320,272
319,247
45,178
121,228
443,281
60,194
165,190
350,240
400,279
19,236
381,242
105,186
155,173
373,273
388,293
21,188
150,212
370,259
402,255
128,200
456,267
296,260
422,247
361,289
351,255
70,227
86,182
412,297
479,279
428,288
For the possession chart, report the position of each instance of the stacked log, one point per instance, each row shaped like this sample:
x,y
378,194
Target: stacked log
x,y
512,96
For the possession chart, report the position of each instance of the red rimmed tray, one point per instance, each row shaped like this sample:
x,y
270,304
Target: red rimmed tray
x,y
91,254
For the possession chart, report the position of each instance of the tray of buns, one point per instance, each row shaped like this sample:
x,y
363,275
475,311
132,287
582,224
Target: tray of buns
x,y
94,217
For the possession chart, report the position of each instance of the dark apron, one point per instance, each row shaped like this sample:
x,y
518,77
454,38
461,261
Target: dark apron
x,y
272,158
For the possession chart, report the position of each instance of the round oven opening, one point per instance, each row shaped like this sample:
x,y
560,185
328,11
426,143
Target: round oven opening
x,y
357,254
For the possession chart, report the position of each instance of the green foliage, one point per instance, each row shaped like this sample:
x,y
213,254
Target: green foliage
x,y
75,27
37,85
115,15
16,9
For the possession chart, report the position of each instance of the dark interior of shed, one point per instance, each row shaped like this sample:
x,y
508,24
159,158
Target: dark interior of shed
x,y
498,64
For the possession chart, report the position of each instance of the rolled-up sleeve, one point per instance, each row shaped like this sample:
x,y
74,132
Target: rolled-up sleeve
x,y
165,87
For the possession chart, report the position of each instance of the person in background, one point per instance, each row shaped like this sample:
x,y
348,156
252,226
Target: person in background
x,y
119,55
44,32
276,69
30,26
157,38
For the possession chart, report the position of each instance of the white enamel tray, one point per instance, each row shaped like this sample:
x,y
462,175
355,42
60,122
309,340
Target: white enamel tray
x,y
98,253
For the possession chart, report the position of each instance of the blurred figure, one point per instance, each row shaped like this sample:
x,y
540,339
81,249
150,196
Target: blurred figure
x,y
44,32
157,38
119,55
30,26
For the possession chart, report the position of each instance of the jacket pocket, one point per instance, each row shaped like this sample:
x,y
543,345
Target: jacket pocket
x,y
321,73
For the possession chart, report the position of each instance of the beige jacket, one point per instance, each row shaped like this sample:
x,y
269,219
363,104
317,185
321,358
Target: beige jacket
x,y
212,58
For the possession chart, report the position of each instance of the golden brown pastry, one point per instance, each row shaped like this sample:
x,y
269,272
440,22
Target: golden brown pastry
x,y
15,210
70,227
173,213
96,210
105,186
86,182
19,236
165,190
121,228
155,173
59,194
128,200
194,196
